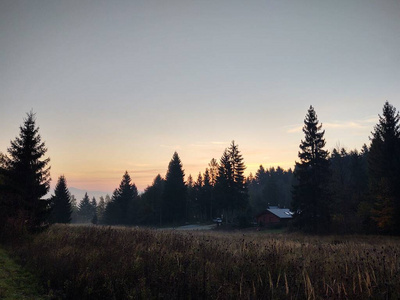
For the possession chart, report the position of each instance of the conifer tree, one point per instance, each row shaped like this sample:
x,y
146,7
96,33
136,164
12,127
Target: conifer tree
x,y
384,169
199,201
231,187
27,173
152,197
61,208
208,195
85,210
121,209
213,170
174,195
94,211
310,194
101,206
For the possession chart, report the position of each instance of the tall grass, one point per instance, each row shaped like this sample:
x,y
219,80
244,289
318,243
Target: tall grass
x,y
78,262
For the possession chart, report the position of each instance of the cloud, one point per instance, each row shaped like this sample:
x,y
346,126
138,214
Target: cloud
x,y
357,124
294,128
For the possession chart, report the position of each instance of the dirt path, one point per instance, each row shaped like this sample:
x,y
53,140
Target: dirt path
x,y
15,282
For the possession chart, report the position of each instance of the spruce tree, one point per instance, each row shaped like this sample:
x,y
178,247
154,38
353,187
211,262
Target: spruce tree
x,y
85,210
121,210
174,195
101,206
384,170
152,197
208,195
61,208
224,184
231,187
27,173
240,187
310,194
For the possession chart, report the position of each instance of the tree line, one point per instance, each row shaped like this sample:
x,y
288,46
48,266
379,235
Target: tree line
x,y
342,192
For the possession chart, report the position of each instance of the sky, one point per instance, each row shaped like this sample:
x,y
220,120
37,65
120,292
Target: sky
x,y
121,85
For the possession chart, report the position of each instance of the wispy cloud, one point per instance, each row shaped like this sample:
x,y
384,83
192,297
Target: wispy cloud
x,y
357,124
294,128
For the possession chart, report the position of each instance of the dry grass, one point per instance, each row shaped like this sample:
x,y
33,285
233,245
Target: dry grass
x,y
119,263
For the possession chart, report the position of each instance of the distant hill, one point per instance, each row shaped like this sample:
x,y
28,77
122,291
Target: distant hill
x,y
79,194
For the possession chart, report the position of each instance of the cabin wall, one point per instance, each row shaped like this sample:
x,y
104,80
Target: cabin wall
x,y
267,218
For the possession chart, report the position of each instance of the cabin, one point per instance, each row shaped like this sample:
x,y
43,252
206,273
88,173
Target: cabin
x,y
274,216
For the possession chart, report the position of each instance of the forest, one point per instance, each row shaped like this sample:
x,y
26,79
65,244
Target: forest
x,y
355,191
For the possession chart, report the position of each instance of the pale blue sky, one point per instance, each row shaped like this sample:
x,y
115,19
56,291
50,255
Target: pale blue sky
x,y
121,85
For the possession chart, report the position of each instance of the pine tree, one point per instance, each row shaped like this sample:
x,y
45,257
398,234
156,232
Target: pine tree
x,y
174,196
231,187
310,194
152,198
61,208
224,184
213,169
199,201
94,219
208,195
240,186
121,210
28,174
100,209
191,205
384,169
85,210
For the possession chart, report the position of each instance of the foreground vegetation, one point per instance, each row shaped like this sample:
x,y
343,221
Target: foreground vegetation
x,y
15,282
82,262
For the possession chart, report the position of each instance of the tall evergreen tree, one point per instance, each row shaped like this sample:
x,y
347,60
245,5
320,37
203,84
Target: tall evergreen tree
x,y
85,210
101,206
208,195
199,201
28,174
231,187
240,186
152,199
61,208
224,184
213,170
310,194
384,169
174,196
94,208
121,210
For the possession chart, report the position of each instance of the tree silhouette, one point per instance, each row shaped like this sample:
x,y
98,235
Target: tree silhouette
x,y
310,194
27,173
121,210
61,208
230,186
86,211
152,202
384,169
174,195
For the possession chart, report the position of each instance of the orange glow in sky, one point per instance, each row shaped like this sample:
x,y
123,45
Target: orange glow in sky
x,y
120,85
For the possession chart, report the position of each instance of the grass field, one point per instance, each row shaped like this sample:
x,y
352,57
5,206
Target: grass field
x,y
15,282
88,262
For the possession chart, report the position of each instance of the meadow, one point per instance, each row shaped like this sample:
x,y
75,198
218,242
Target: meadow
x,y
94,262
